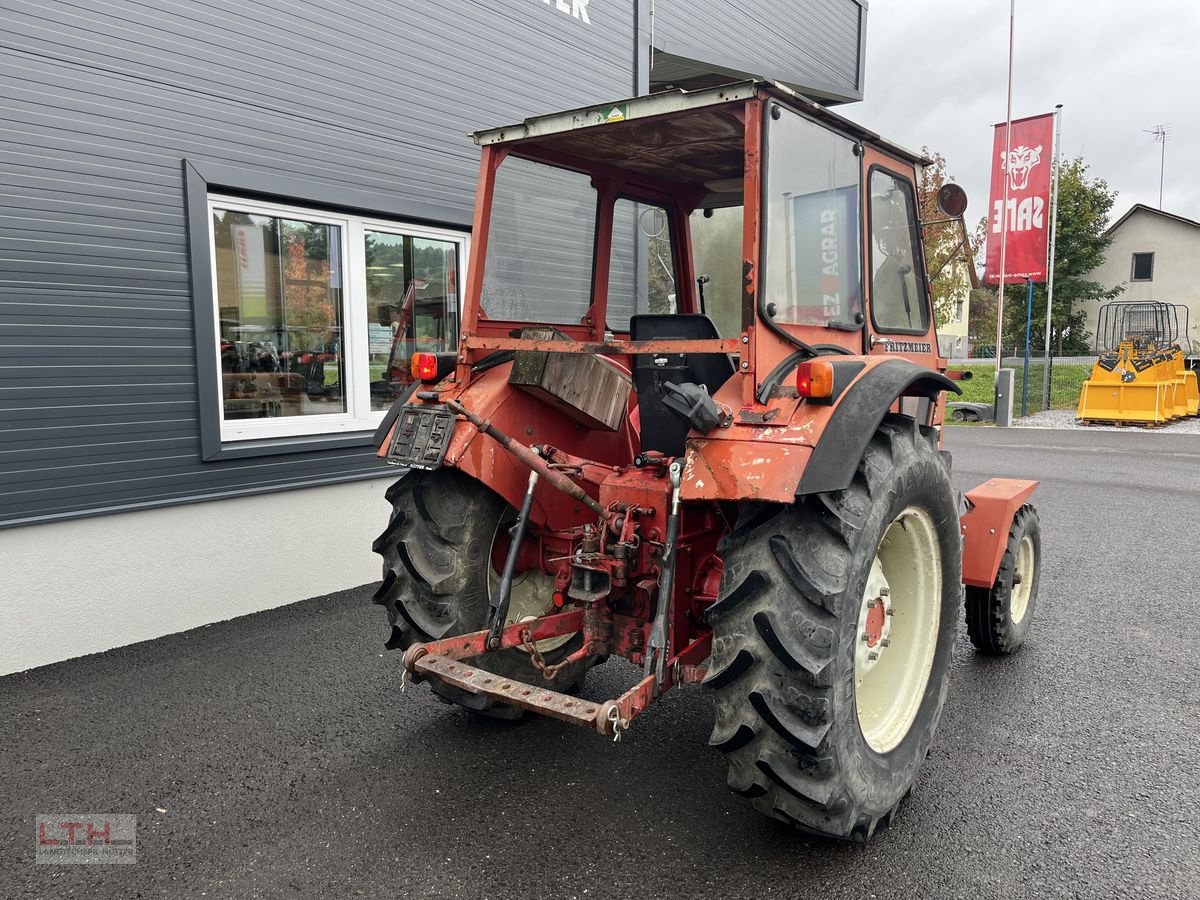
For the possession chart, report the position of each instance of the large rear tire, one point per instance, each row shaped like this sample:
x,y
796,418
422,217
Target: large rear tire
x,y
439,564
833,639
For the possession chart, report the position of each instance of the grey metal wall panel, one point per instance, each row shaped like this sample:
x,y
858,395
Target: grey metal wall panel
x,y
103,99
811,43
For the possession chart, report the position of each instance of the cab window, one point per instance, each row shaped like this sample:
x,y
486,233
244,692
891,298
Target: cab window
x,y
540,244
641,273
717,262
812,197
897,302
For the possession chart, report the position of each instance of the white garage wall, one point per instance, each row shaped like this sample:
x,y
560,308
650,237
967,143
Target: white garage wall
x,y
87,585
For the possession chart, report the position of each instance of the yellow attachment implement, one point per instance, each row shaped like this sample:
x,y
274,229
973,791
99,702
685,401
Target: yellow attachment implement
x,y
1140,377
1118,392
1191,392
1187,392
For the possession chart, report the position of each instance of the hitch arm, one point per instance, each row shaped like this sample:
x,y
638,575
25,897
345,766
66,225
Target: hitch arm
x,y
465,646
498,605
447,661
659,641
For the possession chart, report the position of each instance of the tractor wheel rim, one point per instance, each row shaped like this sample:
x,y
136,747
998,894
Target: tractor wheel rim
x,y
1022,588
897,631
532,594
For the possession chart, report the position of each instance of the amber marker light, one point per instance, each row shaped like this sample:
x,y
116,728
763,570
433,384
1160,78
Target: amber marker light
x,y
814,378
424,367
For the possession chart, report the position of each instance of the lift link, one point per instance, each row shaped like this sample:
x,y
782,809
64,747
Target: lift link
x,y
529,457
498,605
656,648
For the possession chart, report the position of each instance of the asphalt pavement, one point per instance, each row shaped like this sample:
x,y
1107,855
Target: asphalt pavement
x,y
276,756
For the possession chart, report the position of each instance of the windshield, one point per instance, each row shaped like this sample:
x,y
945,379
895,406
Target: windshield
x,y
540,244
812,198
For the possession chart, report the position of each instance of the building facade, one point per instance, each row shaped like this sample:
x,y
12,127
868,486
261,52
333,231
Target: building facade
x,y
1155,254
953,340
223,224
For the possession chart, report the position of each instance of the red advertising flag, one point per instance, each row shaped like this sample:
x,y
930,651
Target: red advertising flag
x,y
1026,169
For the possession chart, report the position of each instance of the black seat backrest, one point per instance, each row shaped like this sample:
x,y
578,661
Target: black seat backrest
x,y
662,429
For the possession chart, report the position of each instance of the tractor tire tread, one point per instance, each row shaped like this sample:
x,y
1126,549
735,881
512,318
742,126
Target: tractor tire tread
x,y
775,639
431,589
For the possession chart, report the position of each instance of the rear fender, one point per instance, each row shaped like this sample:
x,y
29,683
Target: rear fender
x,y
857,415
796,447
991,508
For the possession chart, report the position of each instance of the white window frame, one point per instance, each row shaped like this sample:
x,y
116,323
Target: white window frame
x,y
355,343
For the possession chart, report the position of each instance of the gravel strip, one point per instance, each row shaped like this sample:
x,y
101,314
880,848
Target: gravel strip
x,y
1065,419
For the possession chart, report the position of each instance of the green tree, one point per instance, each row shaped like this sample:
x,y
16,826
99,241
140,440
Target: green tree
x,y
981,319
661,272
942,239
1084,205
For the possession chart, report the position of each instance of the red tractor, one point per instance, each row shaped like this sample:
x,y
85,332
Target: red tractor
x,y
693,420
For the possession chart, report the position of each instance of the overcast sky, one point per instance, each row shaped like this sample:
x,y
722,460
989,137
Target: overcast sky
x,y
936,70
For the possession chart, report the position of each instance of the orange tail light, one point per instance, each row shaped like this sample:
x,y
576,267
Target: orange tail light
x,y
424,367
814,378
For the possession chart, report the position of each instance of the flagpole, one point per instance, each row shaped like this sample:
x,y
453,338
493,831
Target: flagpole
x,y
1050,274
1028,331
1012,15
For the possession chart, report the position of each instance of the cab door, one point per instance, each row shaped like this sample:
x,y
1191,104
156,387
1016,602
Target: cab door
x,y
899,308
900,316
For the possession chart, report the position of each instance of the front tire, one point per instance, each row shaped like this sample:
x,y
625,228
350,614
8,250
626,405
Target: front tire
x,y
833,639
439,565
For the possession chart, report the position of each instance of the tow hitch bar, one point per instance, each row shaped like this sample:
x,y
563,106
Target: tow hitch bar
x,y
447,661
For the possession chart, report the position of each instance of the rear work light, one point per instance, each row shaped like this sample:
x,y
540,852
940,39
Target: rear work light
x,y
424,367
814,379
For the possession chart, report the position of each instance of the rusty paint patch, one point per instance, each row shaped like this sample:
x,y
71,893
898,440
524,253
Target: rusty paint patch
x,y
609,348
754,417
738,470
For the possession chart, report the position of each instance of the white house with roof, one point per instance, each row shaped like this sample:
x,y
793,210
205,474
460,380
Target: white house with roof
x,y
952,336
1156,255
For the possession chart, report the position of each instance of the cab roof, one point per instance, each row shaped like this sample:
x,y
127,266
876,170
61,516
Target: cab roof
x,y
704,103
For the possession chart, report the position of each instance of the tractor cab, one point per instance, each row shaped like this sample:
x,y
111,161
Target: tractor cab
x,y
735,250
745,217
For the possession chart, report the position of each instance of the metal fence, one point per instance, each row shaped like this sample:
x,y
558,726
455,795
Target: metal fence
x,y
1055,385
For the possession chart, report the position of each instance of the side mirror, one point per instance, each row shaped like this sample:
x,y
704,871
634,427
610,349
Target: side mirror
x,y
951,201
383,314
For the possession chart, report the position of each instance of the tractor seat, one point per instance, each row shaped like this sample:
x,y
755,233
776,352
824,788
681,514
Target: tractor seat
x,y
663,430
